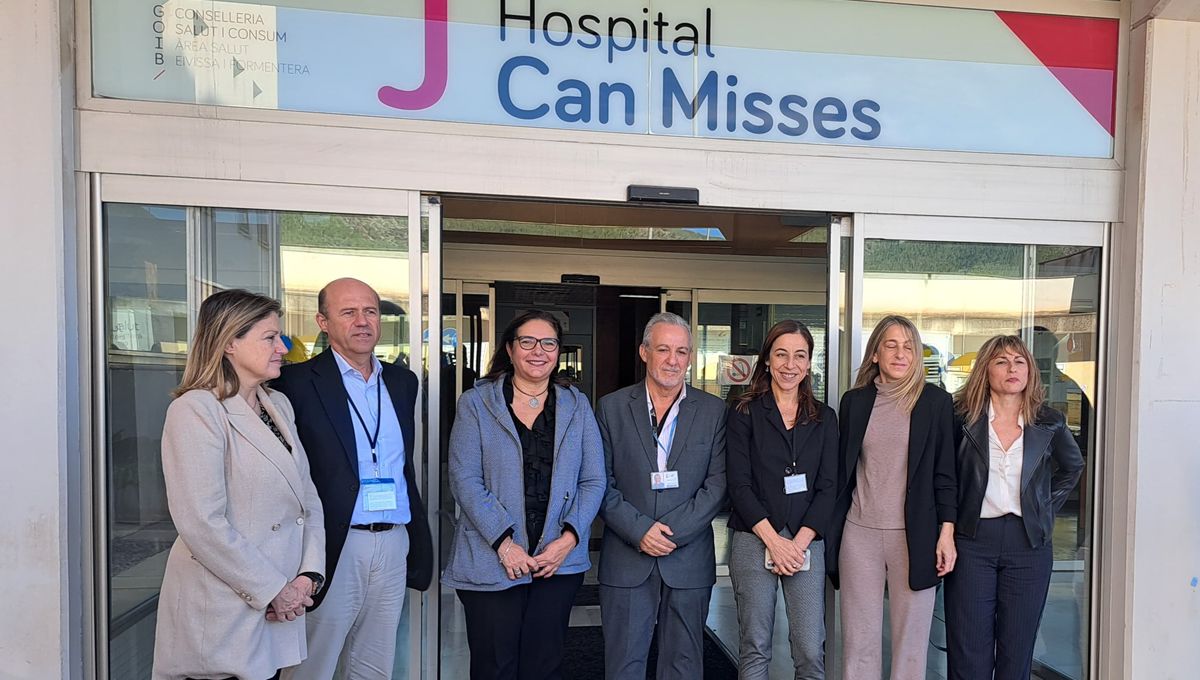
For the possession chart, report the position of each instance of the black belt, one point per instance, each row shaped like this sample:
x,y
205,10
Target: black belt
x,y
374,527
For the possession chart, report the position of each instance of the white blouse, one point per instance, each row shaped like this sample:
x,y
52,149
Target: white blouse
x,y
1003,496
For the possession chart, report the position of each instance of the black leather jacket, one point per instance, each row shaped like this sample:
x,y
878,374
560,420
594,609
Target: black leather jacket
x,y
1050,469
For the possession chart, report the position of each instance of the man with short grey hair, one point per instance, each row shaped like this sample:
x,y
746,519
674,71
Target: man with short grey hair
x,y
664,450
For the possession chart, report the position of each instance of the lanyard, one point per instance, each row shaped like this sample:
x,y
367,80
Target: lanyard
x,y
658,427
664,451
794,468
372,439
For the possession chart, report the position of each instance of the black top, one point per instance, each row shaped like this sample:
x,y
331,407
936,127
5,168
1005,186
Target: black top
x,y
759,451
537,449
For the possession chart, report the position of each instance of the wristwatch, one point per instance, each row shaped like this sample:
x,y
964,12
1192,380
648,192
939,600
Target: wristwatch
x,y
317,579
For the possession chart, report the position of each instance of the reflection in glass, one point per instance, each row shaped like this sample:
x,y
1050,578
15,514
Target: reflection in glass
x,y
961,294
729,337
162,261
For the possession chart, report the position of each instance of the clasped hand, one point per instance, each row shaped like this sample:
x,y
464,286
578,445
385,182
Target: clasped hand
x,y
517,563
655,543
787,554
291,602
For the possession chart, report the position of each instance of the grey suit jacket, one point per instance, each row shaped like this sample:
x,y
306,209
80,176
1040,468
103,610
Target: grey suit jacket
x,y
631,507
249,520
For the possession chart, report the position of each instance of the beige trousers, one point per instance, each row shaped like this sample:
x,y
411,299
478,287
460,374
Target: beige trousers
x,y
352,635
869,559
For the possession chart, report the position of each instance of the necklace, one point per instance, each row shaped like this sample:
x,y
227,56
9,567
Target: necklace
x,y
533,398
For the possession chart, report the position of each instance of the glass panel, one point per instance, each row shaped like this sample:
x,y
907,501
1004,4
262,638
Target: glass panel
x,y
959,295
729,337
152,271
1063,338
147,305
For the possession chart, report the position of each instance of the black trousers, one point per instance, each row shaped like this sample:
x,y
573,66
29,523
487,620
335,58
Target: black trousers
x,y
273,677
518,633
994,601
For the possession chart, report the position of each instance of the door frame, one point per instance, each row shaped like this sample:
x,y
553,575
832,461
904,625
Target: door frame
x,y
941,229
192,193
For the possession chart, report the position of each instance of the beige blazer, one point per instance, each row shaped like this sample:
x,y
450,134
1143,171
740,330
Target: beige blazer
x,y
249,520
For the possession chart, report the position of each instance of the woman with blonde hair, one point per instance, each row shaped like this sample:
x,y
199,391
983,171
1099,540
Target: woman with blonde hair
x,y
893,520
1017,463
251,547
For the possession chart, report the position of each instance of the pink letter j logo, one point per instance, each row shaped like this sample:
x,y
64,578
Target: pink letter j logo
x,y
433,86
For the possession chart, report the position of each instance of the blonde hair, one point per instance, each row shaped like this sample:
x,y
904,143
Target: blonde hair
x,y
912,384
224,317
971,401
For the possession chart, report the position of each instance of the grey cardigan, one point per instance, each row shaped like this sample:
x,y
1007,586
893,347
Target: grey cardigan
x,y
488,481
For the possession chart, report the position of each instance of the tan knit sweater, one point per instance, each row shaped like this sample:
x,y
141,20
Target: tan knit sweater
x,y
882,475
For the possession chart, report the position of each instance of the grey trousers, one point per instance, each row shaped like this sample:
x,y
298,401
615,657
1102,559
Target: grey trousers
x,y
355,627
755,591
630,616
869,559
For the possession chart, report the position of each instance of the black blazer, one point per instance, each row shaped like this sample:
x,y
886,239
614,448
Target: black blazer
x,y
324,422
757,450
1050,468
932,494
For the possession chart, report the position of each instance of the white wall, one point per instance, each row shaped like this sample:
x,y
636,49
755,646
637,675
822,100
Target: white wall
x,y
39,628
1152,525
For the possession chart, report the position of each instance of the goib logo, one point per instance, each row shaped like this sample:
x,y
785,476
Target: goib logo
x,y
433,85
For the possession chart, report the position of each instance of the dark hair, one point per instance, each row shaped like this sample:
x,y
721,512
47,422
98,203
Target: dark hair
x,y
501,364
760,381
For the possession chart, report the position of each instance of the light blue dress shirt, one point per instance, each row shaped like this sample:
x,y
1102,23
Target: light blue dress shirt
x,y
389,448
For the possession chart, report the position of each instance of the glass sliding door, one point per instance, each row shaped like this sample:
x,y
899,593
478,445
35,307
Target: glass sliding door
x,y
161,261
959,294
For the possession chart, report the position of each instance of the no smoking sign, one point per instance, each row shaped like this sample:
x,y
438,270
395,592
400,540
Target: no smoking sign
x,y
733,369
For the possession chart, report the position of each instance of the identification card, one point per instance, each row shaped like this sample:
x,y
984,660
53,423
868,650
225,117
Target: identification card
x,y
379,494
664,480
795,483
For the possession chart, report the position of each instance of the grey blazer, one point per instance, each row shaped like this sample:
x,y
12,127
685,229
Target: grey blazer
x,y
487,479
249,520
631,507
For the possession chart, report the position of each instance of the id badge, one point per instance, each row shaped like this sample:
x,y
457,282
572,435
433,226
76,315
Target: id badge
x,y
664,480
795,483
379,494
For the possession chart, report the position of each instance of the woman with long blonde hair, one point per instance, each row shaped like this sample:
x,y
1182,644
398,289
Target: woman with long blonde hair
x,y
1017,462
893,520
251,547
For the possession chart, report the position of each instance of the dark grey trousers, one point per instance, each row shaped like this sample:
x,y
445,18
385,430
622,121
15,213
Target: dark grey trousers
x,y
756,589
630,617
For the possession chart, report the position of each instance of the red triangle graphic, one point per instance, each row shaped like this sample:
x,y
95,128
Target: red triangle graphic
x,y
1093,88
1080,51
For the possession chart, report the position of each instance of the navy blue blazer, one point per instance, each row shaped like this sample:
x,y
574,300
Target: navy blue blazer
x,y
324,423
